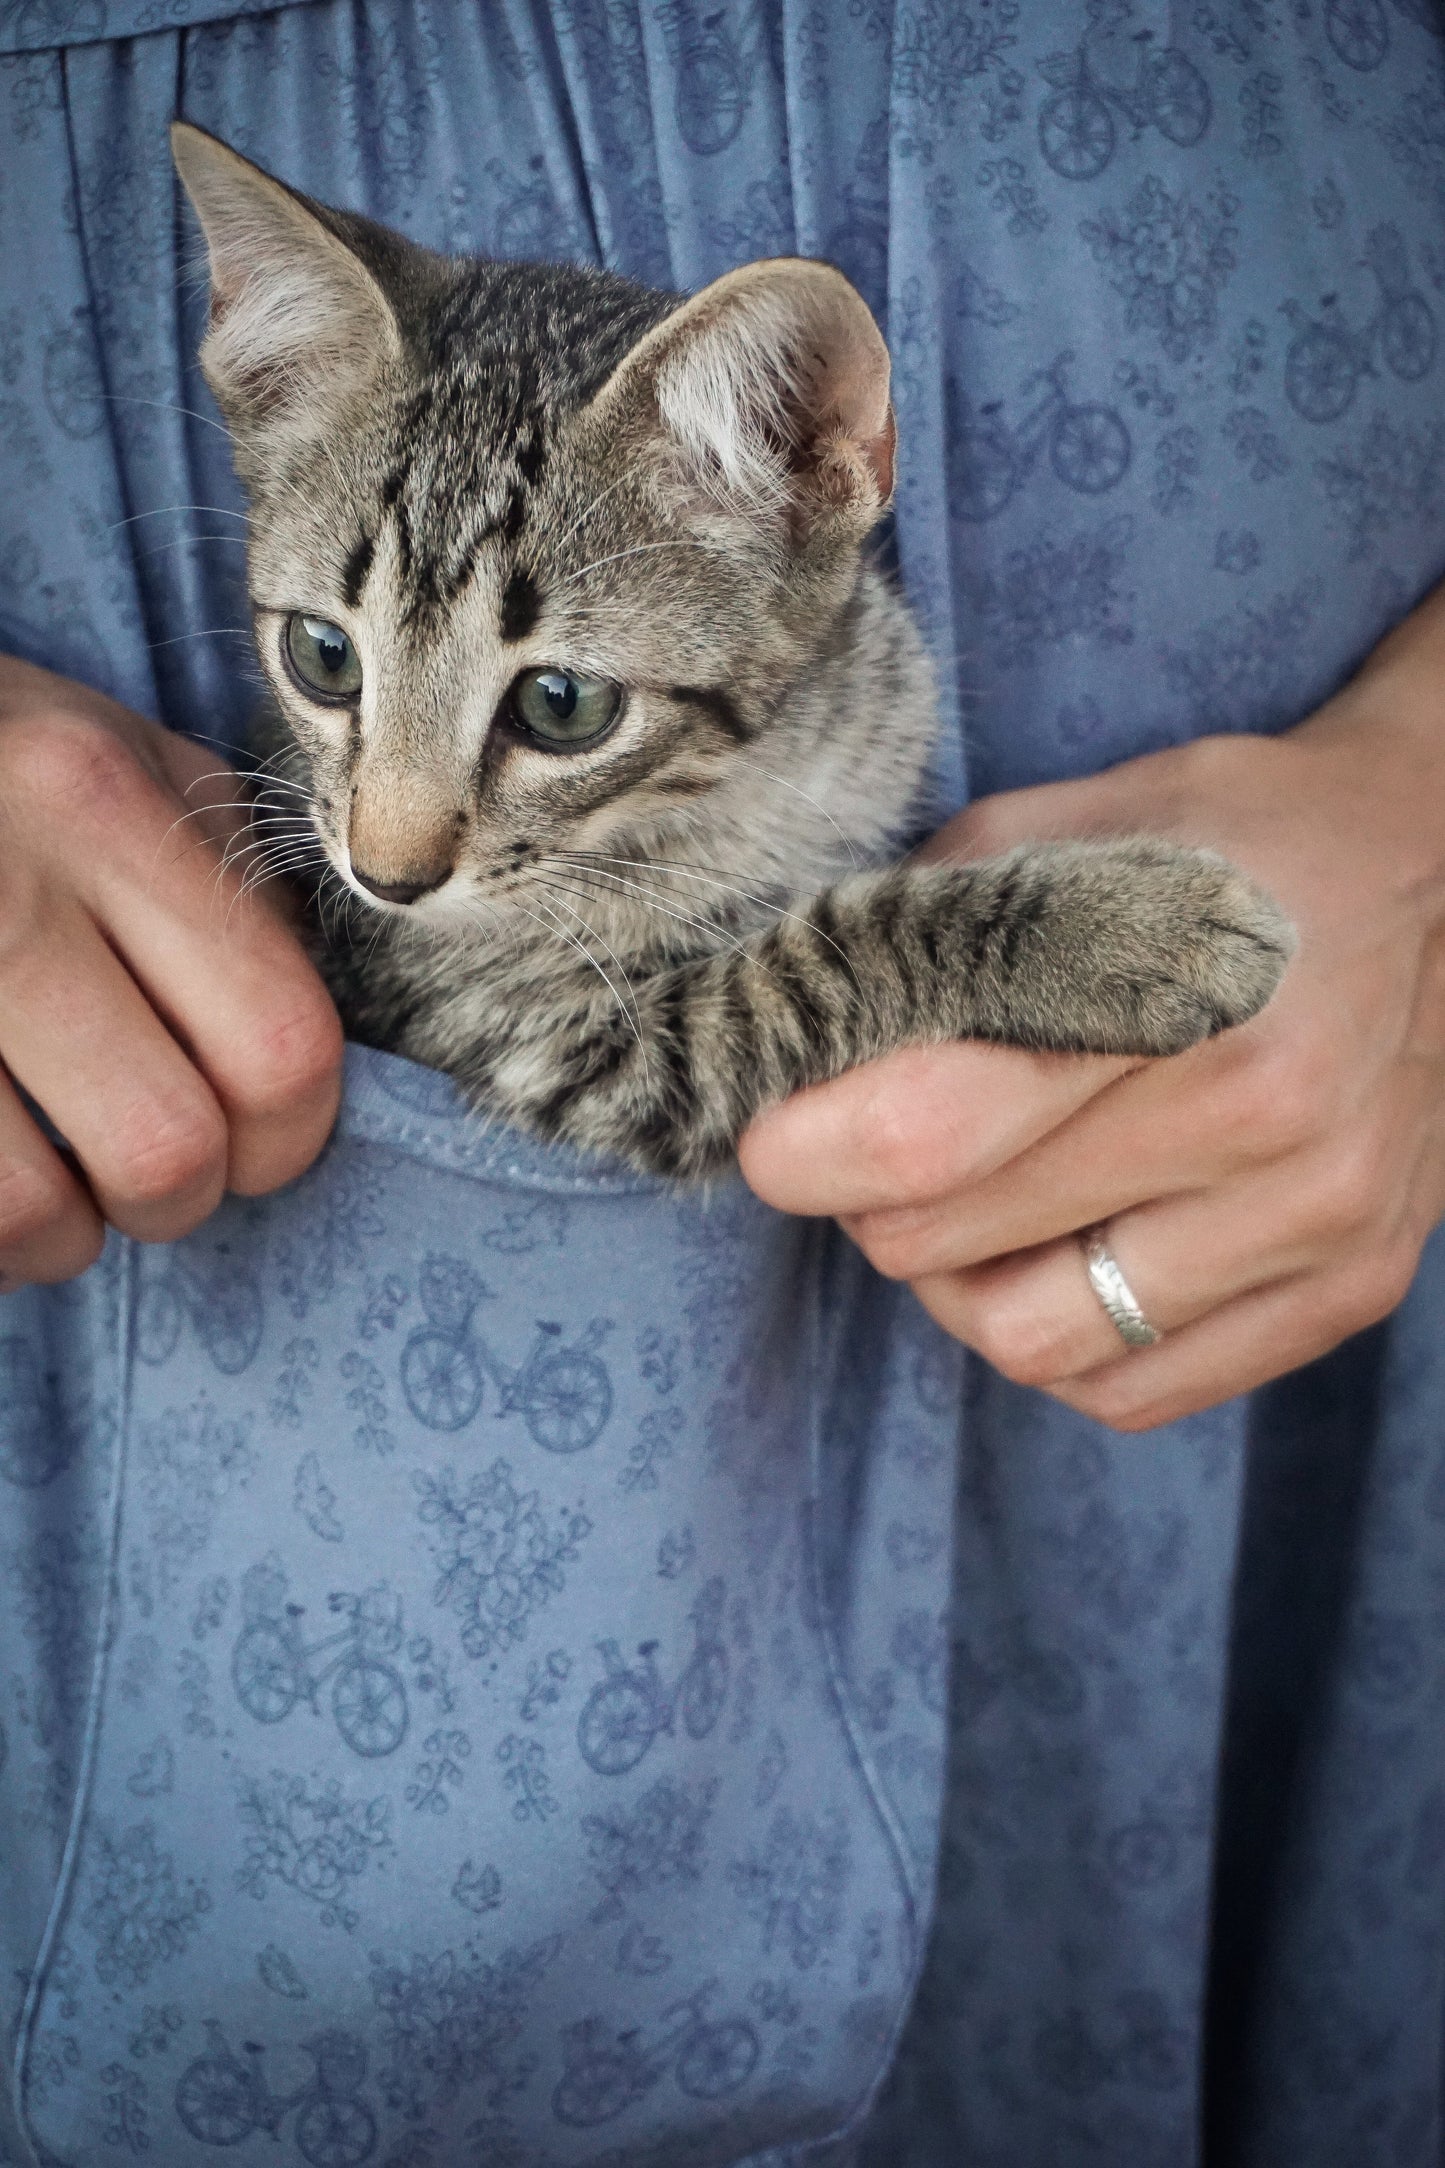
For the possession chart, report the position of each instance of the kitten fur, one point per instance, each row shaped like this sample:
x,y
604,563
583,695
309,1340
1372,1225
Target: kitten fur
x,y
480,469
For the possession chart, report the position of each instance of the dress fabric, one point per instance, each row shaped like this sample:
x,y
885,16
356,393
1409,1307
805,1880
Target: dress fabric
x,y
477,1658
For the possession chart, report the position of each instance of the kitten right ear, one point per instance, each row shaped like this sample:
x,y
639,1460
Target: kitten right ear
x,y
771,385
294,311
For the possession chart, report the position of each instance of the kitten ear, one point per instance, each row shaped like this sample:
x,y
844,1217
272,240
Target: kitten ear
x,y
773,385
294,310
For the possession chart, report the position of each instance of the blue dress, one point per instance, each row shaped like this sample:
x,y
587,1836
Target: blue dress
x,y
484,1672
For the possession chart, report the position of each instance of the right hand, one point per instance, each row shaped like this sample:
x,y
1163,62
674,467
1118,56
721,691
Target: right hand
x,y
178,1038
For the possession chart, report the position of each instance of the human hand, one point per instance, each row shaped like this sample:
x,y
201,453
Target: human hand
x,y
1267,1193
180,1046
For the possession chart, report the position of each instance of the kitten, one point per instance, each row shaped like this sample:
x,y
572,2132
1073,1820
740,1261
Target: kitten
x,y
587,685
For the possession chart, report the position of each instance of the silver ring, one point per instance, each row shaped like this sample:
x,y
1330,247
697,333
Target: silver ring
x,y
1114,1291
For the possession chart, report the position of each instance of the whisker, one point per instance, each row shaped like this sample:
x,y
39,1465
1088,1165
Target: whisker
x,y
696,872
184,541
586,513
165,406
267,869
286,860
778,910
639,549
550,882
213,775
798,791
160,511
274,824
274,863
275,850
249,846
329,889
206,632
634,1015
658,903
562,934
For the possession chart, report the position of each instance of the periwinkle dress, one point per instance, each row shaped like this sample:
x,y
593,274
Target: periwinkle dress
x,y
475,1630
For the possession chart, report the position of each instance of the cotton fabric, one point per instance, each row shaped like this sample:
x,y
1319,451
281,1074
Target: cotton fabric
x,y
1163,287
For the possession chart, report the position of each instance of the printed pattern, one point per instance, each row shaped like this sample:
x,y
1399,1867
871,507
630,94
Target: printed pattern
x,y
458,1642
357,1698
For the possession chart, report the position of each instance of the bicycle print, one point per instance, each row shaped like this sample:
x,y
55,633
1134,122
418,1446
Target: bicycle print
x,y
273,1668
1328,357
632,1706
1088,444
224,1308
715,59
605,2073
560,1389
222,2099
1076,126
1359,32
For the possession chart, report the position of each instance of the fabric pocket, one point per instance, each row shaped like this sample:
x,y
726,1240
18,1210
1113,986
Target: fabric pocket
x,y
505,1668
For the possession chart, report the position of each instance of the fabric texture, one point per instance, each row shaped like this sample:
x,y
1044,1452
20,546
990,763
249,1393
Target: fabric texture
x,y
1164,288
501,1679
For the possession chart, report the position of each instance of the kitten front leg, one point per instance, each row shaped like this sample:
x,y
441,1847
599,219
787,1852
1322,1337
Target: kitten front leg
x,y
1134,947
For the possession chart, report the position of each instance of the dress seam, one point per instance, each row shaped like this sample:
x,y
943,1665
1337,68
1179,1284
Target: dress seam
x,y
40,2154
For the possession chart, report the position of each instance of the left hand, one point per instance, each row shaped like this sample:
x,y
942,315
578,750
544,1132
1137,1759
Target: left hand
x,y
1267,1193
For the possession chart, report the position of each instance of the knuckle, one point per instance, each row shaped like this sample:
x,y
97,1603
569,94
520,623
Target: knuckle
x,y
912,1154
67,764
896,1149
1367,1290
290,1057
168,1150
33,1201
1278,1099
1345,1194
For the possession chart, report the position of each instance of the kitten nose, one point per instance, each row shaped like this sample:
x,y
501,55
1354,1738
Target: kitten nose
x,y
401,891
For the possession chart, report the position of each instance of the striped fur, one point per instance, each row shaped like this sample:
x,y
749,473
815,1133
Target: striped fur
x,y
477,470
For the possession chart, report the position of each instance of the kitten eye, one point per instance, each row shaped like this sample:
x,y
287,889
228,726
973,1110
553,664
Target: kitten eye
x,y
561,709
323,657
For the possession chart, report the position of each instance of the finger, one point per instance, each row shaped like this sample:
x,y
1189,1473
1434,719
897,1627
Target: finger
x,y
225,972
81,1039
250,1009
1242,1344
1034,1313
49,1227
915,1126
1035,1316
1202,1118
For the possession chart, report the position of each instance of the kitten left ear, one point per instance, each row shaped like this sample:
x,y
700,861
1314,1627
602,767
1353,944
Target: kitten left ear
x,y
295,313
772,384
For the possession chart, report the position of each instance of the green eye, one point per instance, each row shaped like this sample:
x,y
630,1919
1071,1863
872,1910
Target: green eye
x,y
323,657
561,709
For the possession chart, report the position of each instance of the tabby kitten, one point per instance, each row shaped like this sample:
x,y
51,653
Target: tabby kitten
x,y
591,692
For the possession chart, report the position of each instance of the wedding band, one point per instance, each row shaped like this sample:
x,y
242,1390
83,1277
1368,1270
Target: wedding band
x,y
1114,1291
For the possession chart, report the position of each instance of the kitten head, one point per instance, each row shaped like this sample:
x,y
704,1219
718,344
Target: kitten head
x,y
541,561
